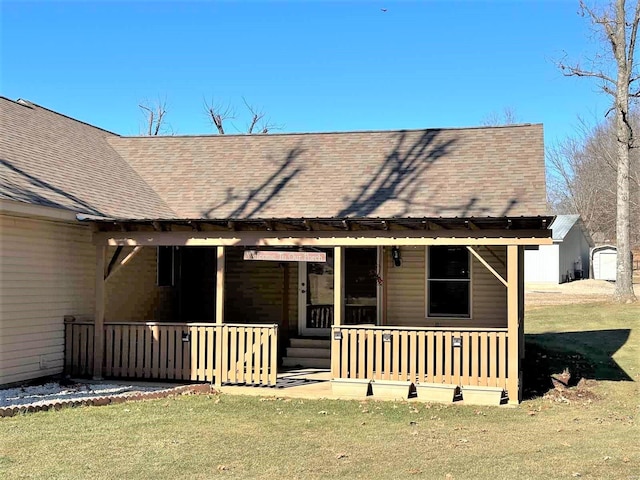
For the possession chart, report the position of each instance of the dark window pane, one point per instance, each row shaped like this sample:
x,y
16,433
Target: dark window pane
x,y
165,266
360,274
448,262
448,298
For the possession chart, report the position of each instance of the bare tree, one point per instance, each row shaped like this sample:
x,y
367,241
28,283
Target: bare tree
x,y
581,178
219,113
619,30
154,113
508,116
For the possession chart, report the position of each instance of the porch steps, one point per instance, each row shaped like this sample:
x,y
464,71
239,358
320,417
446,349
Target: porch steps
x,y
309,353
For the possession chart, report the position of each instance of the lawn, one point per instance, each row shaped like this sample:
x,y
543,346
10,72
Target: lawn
x,y
586,431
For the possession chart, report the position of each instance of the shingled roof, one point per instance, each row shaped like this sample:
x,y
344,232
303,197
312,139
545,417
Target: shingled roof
x,y
49,159
466,172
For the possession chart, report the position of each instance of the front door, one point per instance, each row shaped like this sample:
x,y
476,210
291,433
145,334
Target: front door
x,y
315,297
362,291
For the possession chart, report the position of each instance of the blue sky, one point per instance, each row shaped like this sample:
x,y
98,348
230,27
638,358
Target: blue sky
x,y
312,66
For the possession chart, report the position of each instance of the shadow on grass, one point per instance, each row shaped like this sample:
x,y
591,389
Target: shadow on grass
x,y
586,354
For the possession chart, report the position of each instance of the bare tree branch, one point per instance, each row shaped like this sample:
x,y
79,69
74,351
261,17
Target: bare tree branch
x,y
217,114
154,113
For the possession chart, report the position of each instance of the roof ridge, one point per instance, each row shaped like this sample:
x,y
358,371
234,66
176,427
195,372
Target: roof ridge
x,y
29,104
335,132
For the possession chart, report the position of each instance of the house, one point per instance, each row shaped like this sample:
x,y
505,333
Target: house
x,y
567,259
220,258
603,260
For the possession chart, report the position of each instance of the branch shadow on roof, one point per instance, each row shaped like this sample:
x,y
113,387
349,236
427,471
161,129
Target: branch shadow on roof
x,y
36,191
396,178
258,198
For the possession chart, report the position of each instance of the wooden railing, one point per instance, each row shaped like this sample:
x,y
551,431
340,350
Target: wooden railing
x,y
227,353
321,316
440,355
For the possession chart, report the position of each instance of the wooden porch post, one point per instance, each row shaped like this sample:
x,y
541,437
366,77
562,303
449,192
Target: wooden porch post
x,y
98,322
221,337
338,285
338,307
220,286
513,324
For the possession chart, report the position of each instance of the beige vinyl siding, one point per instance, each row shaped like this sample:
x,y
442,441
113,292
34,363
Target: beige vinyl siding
x,y
405,289
489,295
132,293
47,271
254,290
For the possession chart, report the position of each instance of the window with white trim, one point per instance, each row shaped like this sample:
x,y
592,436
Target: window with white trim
x,y
448,282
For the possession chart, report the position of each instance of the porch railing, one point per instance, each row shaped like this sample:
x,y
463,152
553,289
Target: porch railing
x,y
227,353
440,355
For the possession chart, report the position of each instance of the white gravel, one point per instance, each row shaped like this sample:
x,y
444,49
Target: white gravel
x,y
52,392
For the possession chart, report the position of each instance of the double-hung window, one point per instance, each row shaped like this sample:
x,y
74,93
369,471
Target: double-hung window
x,y
448,282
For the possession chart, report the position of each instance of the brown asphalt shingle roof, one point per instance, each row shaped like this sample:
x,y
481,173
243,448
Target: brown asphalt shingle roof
x,y
433,173
51,159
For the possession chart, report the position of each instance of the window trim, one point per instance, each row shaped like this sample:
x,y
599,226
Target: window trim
x,y
468,316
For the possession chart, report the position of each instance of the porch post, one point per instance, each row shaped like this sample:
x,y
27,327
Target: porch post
x,y
221,337
338,285
98,322
513,324
220,286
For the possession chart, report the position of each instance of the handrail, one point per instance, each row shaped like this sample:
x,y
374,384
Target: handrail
x,y
419,329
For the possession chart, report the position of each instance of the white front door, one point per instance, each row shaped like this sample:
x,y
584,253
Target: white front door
x,y
315,297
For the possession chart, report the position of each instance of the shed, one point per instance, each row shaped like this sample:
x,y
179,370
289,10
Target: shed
x,y
603,259
567,259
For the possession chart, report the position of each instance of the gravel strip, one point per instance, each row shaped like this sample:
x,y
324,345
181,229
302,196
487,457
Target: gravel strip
x,y
53,396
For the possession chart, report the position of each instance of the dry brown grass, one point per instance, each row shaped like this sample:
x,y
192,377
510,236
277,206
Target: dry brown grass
x,y
588,430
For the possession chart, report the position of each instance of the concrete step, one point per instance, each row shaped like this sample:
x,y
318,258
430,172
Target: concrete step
x,y
308,352
310,343
306,362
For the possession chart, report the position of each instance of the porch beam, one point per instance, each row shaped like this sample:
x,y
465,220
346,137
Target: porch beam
x,y
98,322
513,325
112,270
486,264
323,238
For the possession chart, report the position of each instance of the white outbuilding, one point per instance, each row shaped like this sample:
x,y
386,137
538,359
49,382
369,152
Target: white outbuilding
x,y
603,260
567,259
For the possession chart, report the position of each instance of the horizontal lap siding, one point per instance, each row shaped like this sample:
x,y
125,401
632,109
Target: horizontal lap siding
x,y
489,301
405,287
406,290
132,294
47,271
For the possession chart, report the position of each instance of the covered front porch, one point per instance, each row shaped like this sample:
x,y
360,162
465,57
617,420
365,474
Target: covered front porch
x,y
383,336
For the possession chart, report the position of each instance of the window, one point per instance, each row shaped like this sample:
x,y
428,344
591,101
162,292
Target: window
x,y
448,282
166,269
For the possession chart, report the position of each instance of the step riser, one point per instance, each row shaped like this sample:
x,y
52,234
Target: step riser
x,y
306,362
309,343
309,352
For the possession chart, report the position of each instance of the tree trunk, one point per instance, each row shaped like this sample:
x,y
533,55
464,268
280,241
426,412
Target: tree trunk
x,y
624,265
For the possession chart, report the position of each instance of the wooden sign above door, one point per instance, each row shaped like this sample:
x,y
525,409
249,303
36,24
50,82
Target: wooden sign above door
x,y
285,256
